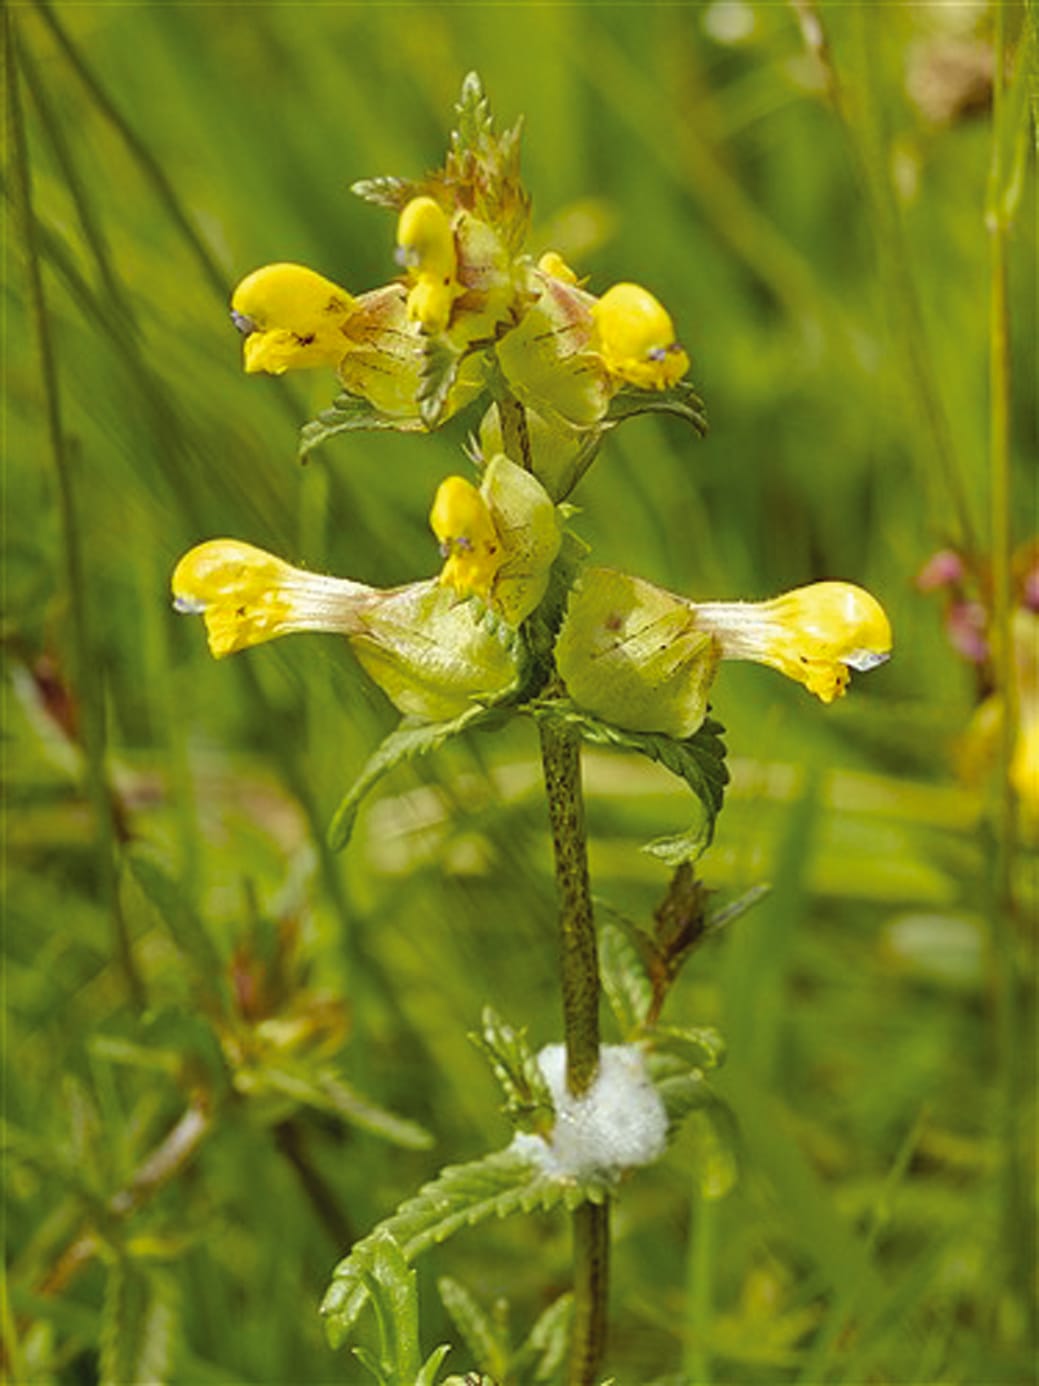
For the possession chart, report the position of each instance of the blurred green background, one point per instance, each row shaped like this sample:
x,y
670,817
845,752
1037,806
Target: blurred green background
x,y
183,954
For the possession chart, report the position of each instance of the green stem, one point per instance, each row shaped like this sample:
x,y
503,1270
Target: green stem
x,y
591,1223
85,681
561,766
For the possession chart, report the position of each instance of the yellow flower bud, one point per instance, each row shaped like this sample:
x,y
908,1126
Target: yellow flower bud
x,y
292,319
247,596
468,541
637,339
426,248
500,541
552,263
813,634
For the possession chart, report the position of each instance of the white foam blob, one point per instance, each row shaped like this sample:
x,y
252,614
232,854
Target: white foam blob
x,y
618,1124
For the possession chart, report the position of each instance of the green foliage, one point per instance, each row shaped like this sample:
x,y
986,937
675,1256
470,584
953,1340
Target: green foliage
x,y
698,759
411,738
528,1102
496,1186
680,401
346,414
139,1329
538,1358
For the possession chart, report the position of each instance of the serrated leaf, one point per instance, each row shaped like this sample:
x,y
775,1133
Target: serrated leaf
x,y
349,414
409,739
680,399
528,1101
624,979
474,1325
473,115
699,1045
698,759
498,1185
139,1325
386,191
391,1287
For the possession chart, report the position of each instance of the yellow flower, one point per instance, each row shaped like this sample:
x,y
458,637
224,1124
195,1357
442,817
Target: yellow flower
x,y
813,634
432,656
247,596
469,543
292,319
552,263
637,339
500,541
426,248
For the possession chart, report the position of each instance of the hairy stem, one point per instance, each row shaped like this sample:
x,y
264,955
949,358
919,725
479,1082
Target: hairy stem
x,y
561,766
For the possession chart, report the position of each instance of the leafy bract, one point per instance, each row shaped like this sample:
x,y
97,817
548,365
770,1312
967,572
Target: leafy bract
x,y
698,759
349,414
410,738
528,1101
679,399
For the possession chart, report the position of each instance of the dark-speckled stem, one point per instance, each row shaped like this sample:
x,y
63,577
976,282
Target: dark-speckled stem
x,y
561,766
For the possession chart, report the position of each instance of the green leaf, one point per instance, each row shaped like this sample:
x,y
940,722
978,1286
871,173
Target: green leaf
x,y
430,1368
183,924
548,1341
441,361
699,1045
528,1101
386,191
475,124
349,414
139,1324
410,738
392,1290
475,1326
684,1092
680,400
624,979
461,1196
698,759
327,1092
